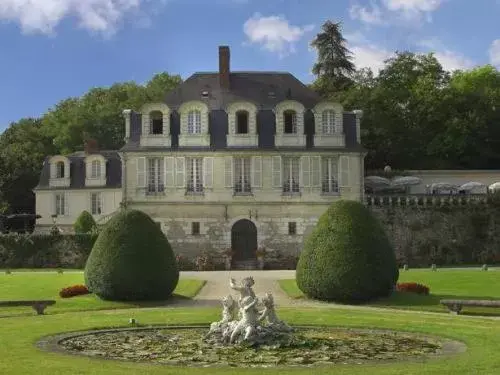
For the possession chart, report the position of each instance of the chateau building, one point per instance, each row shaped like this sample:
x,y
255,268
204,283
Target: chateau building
x,y
236,160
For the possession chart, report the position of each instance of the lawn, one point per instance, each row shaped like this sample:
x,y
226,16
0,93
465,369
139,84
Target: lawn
x,y
38,285
460,284
20,356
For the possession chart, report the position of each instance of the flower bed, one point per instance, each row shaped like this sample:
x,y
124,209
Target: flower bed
x,y
413,288
73,291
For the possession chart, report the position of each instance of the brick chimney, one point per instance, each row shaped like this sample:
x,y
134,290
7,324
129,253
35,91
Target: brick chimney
x,y
90,146
224,69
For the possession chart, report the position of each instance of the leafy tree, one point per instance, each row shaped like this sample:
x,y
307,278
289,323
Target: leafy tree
x,y
85,223
23,148
334,66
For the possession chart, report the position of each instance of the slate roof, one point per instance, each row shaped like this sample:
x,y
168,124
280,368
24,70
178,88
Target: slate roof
x,y
78,171
244,86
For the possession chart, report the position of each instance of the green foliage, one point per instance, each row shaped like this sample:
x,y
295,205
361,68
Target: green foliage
x,y
45,251
85,223
334,66
131,260
348,256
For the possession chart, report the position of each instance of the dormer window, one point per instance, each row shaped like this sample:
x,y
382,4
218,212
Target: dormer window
x,y
156,122
194,122
95,169
271,95
328,121
204,94
60,167
242,122
290,122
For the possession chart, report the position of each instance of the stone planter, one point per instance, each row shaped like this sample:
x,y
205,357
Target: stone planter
x,y
260,262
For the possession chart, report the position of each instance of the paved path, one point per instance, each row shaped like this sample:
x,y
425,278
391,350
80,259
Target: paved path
x,y
217,286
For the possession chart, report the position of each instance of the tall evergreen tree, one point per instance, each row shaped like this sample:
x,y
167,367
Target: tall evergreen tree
x,y
334,67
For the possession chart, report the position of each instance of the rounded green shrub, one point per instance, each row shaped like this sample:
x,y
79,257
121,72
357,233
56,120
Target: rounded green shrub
x,y
348,257
131,260
85,223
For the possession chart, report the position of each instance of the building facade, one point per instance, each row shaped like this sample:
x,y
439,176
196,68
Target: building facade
x,y
240,160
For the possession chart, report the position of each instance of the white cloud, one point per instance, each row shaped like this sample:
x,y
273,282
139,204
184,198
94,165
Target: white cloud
x,y
450,60
370,56
395,11
371,16
494,53
43,16
274,33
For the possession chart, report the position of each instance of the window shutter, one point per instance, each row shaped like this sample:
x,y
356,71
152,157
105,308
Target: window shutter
x,y
88,169
90,204
141,172
316,171
169,171
305,167
67,169
208,167
101,202
180,170
228,172
103,169
277,171
257,171
66,204
344,171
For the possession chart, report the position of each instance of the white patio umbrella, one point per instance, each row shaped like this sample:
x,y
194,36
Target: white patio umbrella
x,y
377,181
406,181
494,187
471,186
443,186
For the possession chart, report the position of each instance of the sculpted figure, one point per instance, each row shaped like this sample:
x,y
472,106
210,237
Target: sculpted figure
x,y
228,307
245,287
269,314
249,321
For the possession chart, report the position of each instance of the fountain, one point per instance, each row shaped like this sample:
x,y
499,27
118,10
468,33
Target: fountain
x,y
250,325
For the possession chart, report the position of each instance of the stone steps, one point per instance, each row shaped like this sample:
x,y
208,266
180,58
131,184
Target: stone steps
x,y
245,265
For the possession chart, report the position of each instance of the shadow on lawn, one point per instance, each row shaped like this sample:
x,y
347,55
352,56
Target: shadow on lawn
x,y
412,301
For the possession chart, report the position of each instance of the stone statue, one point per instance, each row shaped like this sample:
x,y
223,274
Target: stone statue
x,y
249,321
248,327
269,314
228,308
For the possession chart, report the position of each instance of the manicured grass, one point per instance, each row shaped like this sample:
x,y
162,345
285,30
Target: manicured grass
x,y
444,284
36,285
20,356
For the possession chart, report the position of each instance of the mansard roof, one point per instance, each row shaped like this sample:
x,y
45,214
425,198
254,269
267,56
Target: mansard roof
x,y
78,171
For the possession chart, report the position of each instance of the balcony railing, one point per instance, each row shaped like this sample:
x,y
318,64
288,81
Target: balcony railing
x,y
424,200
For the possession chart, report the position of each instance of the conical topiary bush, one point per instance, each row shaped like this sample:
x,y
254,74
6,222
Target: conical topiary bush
x,y
348,257
131,260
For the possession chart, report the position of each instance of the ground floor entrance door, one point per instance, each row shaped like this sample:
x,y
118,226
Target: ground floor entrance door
x,y
244,240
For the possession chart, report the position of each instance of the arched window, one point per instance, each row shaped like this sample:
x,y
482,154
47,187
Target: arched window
x,y
242,122
60,169
95,170
289,122
156,122
328,121
194,122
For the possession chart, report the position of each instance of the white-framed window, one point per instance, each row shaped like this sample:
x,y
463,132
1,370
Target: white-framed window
x,y
242,175
60,204
194,122
289,122
95,203
156,123
291,175
60,169
194,175
155,176
95,169
329,175
328,122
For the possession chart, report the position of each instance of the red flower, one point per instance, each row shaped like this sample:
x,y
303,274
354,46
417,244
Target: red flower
x,y
72,291
413,288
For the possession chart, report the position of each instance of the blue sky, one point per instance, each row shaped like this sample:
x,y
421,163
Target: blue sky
x,y
54,49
